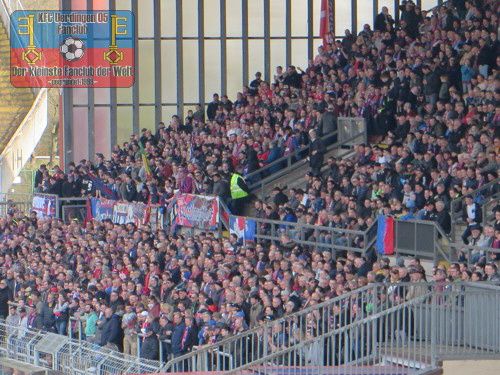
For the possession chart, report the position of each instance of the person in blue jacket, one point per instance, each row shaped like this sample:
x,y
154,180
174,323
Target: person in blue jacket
x,y
274,155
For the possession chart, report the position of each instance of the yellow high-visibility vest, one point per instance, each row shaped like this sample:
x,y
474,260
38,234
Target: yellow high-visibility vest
x,y
236,191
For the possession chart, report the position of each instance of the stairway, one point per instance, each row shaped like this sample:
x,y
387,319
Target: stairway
x,y
293,180
15,102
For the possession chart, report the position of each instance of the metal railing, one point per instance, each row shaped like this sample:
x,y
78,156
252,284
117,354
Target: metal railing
x,y
60,353
11,202
457,204
262,178
423,239
250,345
408,338
402,324
313,236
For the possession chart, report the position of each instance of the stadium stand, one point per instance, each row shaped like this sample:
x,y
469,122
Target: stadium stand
x,y
428,90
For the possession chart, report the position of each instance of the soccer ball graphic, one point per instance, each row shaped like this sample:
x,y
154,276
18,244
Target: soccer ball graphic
x,y
72,49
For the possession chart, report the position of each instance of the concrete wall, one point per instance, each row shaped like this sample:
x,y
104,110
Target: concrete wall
x,y
483,367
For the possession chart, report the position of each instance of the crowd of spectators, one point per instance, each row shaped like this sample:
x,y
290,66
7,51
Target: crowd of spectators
x,y
120,281
428,88
429,91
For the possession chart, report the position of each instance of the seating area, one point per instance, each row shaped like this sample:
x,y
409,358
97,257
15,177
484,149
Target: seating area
x,y
428,90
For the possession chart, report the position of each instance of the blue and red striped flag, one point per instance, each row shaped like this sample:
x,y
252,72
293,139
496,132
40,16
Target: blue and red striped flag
x,y
385,235
106,191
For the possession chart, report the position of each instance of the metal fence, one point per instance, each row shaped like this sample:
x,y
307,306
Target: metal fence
x,y
10,202
252,344
407,338
490,193
368,321
60,353
313,236
405,328
423,239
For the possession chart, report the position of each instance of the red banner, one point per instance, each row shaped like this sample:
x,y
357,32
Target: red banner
x,y
196,211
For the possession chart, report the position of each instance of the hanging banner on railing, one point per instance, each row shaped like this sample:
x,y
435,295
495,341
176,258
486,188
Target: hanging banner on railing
x,y
120,213
102,209
196,211
44,205
243,228
126,212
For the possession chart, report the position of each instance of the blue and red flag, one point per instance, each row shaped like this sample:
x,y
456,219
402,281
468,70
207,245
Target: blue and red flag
x,y
385,235
101,186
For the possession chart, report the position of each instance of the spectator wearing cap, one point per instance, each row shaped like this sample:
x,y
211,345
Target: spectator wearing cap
x,y
417,275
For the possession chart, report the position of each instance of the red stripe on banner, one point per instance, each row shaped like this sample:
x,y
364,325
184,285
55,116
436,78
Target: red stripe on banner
x,y
389,236
323,22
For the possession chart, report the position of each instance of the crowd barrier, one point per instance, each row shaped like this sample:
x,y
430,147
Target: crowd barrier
x,y
411,337
419,238
406,326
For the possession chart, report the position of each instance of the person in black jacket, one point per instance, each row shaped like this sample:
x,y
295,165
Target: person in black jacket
x,y
384,21
184,336
212,107
432,84
70,188
47,314
150,347
131,189
177,333
164,333
34,319
443,217
316,153
5,298
39,175
112,333
328,124
292,78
